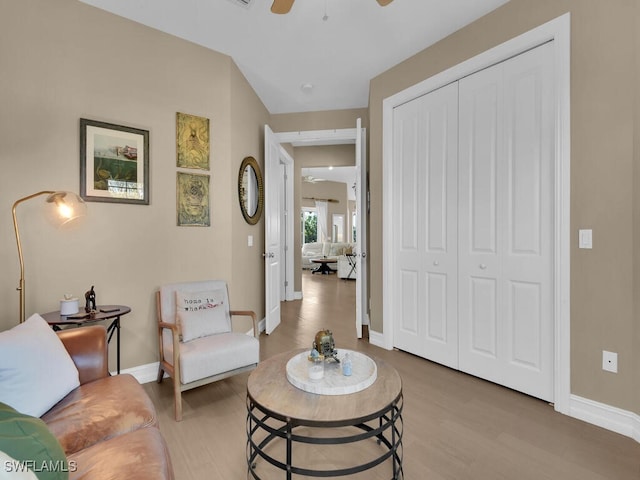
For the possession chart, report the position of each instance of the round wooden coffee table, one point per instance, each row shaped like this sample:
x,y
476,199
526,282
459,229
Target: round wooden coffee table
x,y
278,411
323,265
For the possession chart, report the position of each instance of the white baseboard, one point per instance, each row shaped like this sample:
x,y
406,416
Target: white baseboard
x,y
612,418
602,415
143,373
378,339
293,296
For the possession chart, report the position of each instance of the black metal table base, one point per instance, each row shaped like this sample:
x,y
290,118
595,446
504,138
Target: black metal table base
x,y
324,268
115,326
385,427
352,267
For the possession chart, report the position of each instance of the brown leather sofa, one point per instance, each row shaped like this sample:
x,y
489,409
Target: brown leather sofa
x,y
107,426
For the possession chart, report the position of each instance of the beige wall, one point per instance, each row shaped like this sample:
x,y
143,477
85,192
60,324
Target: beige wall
x,y
333,190
325,120
248,117
636,211
604,84
65,60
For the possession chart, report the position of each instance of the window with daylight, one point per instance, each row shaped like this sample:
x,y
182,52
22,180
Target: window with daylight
x,y
309,225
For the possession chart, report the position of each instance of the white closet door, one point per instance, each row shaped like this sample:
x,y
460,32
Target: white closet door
x,y
506,223
425,225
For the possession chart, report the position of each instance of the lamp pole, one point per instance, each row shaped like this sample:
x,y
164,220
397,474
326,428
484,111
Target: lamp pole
x,y
15,227
66,203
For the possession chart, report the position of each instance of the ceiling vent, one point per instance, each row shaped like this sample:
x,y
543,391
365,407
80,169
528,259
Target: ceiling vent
x,y
243,3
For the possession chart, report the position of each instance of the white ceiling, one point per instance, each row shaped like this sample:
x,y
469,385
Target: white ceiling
x,y
334,174
280,53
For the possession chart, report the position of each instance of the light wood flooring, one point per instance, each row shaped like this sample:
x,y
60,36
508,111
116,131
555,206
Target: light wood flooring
x,y
456,426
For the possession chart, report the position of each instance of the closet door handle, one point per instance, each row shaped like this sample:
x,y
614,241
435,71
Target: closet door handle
x,y
483,266
436,263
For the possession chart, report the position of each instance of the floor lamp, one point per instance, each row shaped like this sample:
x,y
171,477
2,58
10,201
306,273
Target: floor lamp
x,y
63,208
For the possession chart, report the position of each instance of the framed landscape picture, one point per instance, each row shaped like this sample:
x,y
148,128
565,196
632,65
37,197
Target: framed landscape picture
x,y
114,163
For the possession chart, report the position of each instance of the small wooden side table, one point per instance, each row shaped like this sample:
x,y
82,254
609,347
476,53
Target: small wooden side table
x,y
103,312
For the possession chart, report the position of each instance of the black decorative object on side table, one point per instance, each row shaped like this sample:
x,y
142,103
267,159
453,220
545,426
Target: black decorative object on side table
x,y
90,301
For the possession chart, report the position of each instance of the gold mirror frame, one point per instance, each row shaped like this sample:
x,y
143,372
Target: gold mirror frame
x,y
243,193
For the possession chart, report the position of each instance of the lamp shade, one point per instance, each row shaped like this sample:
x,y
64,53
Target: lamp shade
x,y
62,207
65,207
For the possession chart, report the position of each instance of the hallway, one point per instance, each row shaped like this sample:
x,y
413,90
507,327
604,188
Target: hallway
x,y
328,302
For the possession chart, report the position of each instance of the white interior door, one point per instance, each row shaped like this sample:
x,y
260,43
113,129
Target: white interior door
x,y
425,175
288,223
272,223
506,223
362,317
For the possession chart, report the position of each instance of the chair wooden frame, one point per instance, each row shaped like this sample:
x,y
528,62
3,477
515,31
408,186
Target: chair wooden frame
x,y
174,370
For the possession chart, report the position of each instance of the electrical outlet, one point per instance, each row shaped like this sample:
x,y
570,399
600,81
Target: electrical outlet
x,y
610,361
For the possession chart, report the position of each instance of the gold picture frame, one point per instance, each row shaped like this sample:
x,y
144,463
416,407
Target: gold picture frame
x,y
192,141
250,190
192,194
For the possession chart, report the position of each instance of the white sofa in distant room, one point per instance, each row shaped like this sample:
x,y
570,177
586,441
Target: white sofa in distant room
x,y
323,249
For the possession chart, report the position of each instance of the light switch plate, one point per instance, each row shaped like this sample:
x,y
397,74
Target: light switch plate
x,y
250,241
610,361
585,238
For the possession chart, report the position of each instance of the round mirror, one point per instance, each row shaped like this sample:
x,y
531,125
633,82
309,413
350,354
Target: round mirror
x,y
250,190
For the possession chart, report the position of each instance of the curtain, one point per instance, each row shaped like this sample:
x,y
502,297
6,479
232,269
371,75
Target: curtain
x,y
323,210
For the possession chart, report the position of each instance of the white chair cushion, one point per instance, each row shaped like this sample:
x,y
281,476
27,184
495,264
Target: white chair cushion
x,y
36,371
193,301
168,301
215,354
202,313
168,295
201,323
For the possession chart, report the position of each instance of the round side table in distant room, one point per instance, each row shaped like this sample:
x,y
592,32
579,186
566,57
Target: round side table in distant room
x,y
323,265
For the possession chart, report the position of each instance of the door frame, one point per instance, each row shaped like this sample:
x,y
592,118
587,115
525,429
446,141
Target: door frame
x,y
343,136
286,233
559,31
